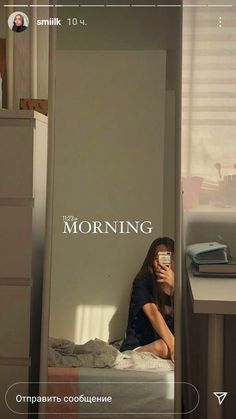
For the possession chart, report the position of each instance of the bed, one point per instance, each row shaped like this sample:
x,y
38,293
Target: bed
x,y
138,394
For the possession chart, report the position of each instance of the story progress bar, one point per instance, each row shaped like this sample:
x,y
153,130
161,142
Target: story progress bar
x,y
119,5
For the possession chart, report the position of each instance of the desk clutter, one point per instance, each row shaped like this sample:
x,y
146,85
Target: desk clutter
x,y
211,259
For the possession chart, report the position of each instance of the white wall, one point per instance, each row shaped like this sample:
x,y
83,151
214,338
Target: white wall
x,y
109,165
110,80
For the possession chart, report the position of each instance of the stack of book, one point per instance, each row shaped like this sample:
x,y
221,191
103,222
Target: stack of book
x,y
215,269
211,259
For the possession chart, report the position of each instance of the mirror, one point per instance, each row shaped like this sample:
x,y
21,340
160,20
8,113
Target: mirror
x,y
116,116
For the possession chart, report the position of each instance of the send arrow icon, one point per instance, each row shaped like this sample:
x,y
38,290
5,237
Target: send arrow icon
x,y
221,395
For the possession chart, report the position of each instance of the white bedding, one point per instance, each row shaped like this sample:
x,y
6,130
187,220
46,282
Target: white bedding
x,y
140,384
143,361
99,354
138,394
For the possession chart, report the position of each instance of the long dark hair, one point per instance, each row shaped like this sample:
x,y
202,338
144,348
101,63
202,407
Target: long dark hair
x,y
147,268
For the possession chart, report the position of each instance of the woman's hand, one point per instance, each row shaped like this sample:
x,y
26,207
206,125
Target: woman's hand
x,y
172,353
171,348
165,275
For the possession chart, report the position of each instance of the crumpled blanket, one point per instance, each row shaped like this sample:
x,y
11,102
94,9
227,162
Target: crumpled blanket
x,y
99,354
94,353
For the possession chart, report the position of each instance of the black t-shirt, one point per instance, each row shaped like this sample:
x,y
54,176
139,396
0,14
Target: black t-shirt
x,y
19,28
139,331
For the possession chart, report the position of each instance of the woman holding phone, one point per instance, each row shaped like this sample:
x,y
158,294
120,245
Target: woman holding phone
x,y
151,311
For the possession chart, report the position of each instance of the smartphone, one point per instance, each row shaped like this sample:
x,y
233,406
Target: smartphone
x,y
164,258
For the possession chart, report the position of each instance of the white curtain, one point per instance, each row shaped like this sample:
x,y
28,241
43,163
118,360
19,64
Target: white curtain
x,y
209,106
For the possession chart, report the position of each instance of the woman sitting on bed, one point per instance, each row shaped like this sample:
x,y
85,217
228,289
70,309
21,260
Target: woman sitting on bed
x,y
151,314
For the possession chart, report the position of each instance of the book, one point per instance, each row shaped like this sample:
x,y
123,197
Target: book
x,y
216,268
224,270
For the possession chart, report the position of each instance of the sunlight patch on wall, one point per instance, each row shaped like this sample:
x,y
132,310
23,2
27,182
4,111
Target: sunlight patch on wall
x,y
92,321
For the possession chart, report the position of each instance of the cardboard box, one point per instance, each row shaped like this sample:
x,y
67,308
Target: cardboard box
x,y
39,105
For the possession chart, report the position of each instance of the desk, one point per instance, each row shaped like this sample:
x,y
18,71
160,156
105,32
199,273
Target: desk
x,y
215,297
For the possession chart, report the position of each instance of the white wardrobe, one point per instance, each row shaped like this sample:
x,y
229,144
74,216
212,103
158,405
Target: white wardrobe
x,y
23,167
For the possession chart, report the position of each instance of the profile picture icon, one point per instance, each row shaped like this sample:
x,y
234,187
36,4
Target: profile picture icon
x,y
18,22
